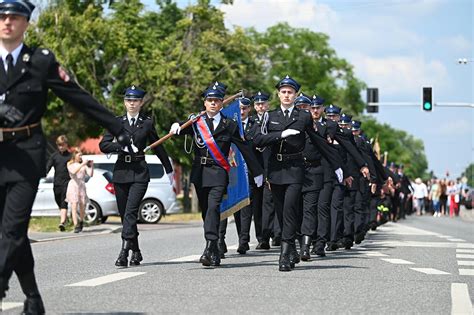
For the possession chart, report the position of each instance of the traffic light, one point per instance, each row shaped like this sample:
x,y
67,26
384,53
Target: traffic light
x,y
372,97
427,103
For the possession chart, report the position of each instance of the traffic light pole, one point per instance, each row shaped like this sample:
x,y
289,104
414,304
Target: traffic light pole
x,y
441,104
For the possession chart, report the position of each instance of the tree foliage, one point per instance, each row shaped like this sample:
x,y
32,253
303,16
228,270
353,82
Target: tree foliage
x,y
469,173
174,53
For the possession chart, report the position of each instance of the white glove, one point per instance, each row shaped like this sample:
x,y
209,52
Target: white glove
x,y
340,175
175,128
171,178
289,132
258,180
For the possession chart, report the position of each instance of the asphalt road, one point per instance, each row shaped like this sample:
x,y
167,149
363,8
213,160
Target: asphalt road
x,y
422,265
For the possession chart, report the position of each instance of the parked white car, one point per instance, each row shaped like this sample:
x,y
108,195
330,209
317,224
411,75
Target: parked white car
x,y
160,197
100,191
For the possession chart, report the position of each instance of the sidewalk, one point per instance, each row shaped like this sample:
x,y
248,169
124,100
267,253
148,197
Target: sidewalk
x,y
466,215
104,228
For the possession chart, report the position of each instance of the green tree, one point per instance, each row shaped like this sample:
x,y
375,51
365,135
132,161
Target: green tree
x,y
469,173
402,147
308,58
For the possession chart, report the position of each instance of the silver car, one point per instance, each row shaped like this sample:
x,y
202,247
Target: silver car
x,y
100,191
160,197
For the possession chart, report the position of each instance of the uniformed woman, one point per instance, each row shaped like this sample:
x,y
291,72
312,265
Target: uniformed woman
x,y
131,175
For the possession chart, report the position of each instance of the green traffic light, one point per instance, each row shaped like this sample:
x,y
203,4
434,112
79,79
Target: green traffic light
x,y
427,106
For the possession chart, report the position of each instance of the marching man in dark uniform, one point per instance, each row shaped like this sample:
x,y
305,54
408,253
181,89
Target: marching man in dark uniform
x,y
131,175
256,193
283,130
26,76
213,134
270,224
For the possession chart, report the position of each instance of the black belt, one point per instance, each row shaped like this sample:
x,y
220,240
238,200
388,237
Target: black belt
x,y
314,163
18,133
280,157
203,160
131,158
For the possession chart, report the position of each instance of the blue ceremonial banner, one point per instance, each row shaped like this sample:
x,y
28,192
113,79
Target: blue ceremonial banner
x,y
237,195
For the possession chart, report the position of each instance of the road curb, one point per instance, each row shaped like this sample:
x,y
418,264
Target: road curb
x,y
79,235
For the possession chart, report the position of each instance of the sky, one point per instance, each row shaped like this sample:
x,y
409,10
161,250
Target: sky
x,y
398,46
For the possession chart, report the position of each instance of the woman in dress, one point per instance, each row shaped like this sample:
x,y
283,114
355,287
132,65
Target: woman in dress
x,y
76,193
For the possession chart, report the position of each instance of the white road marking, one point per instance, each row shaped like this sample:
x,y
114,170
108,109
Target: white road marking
x,y
468,251
186,259
445,236
400,229
397,261
5,306
465,263
456,240
466,272
375,254
461,302
237,246
420,244
465,256
106,279
430,271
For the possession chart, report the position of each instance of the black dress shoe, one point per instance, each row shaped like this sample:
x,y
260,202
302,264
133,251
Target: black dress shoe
x,y
205,259
320,252
359,238
276,241
284,263
122,260
304,253
215,254
243,248
136,258
263,245
331,247
347,244
294,256
222,248
33,306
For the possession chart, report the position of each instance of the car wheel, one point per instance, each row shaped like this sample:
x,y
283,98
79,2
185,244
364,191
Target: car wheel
x,y
93,213
150,211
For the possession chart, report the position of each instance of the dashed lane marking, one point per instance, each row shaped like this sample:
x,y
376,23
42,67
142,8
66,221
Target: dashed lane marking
x,y
465,263
419,244
5,306
106,279
467,251
466,272
191,258
375,254
445,236
465,256
460,300
397,261
431,271
456,240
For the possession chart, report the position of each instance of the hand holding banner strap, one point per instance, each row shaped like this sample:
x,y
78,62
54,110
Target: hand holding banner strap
x,y
190,122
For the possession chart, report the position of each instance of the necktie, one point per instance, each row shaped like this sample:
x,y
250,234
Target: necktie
x,y
243,126
9,67
211,124
132,124
287,114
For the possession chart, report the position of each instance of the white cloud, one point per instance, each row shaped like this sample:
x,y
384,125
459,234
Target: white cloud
x,y
455,127
458,44
400,75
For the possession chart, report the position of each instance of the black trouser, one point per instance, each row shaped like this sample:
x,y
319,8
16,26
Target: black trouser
x,y
286,199
310,212
374,201
60,196
129,196
349,206
255,210
16,201
362,198
223,225
337,213
210,199
324,215
270,224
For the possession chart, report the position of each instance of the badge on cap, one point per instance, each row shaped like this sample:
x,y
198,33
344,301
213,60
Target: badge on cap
x,y
45,52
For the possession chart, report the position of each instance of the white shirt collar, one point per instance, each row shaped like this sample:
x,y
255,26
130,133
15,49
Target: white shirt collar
x,y
217,120
246,120
15,53
129,117
289,109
